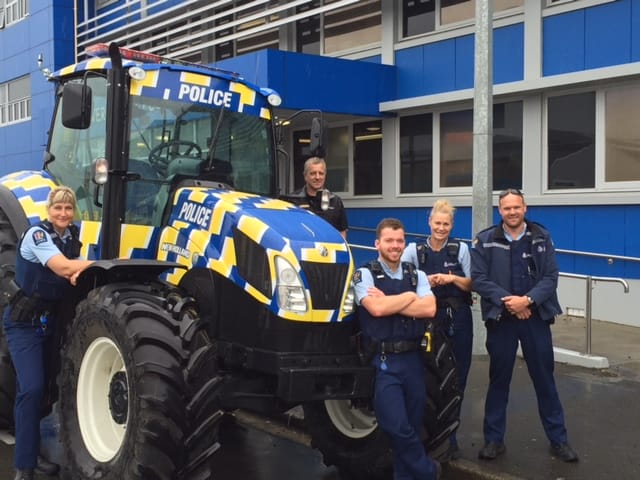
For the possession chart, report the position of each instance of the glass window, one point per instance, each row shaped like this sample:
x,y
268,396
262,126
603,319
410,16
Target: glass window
x,y
367,158
337,158
416,154
419,16
622,157
308,30
507,145
352,26
15,101
14,11
571,128
456,147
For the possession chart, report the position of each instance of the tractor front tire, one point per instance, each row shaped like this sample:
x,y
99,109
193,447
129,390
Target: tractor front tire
x,y
139,391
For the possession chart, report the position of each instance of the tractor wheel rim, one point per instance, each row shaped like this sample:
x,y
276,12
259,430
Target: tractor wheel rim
x,y
102,399
352,422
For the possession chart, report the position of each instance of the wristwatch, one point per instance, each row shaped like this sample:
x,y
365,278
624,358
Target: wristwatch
x,y
530,300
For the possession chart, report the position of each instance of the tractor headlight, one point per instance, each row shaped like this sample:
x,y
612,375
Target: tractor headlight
x,y
349,301
289,287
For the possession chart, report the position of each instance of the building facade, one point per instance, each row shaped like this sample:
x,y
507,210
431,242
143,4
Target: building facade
x,y
394,80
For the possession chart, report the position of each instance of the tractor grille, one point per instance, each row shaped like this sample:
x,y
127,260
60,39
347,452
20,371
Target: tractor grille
x,y
326,283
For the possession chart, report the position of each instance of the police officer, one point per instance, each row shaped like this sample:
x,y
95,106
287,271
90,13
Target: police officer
x,y
318,199
46,265
447,263
394,303
514,269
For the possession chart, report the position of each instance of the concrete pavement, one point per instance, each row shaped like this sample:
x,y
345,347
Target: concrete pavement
x,y
602,412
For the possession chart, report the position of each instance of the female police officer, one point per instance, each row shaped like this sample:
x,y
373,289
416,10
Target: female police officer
x,y
447,263
46,264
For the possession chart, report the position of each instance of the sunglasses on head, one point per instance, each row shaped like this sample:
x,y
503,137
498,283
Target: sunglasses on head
x,y
510,191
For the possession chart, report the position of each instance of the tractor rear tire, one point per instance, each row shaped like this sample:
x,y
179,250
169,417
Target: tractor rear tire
x,y
8,242
139,390
349,438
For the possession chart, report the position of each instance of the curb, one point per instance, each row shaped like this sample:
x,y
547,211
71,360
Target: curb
x,y
292,428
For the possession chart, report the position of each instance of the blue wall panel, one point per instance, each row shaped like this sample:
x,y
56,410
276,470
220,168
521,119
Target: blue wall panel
x,y
508,54
410,70
634,18
449,65
608,34
309,81
563,43
464,59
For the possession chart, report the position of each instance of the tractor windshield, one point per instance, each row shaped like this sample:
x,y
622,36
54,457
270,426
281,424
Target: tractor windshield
x,y
168,140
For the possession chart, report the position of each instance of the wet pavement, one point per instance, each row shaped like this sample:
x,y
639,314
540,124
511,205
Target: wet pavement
x,y
602,410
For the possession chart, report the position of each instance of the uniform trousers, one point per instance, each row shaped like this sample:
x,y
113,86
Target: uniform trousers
x,y
534,335
28,348
399,402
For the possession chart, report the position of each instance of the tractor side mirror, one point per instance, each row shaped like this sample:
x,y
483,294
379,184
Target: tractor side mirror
x,y
76,106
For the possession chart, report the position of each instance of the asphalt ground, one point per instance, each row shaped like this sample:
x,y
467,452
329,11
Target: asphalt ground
x,y
602,410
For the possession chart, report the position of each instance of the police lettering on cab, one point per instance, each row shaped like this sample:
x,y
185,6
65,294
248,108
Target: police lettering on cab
x,y
210,96
194,213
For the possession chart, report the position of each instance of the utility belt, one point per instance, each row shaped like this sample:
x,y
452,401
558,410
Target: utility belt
x,y
30,310
399,346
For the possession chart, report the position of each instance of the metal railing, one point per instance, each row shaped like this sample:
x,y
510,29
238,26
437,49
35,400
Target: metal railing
x,y
589,279
589,299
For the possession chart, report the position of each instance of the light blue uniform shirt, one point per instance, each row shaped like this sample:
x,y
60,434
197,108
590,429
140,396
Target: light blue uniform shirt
x,y
37,245
366,280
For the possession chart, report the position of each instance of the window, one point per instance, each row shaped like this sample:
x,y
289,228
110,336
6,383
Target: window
x,y
12,11
367,158
355,25
571,132
15,101
337,158
361,143
416,154
622,151
423,16
456,147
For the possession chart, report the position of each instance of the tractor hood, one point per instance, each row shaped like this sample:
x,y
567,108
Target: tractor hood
x,y
239,236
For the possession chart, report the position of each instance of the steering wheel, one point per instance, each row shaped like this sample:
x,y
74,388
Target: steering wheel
x,y
174,149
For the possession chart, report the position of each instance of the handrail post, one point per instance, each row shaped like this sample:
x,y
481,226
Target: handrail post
x,y
588,314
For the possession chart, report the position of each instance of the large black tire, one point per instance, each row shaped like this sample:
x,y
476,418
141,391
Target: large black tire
x,y
8,242
139,390
348,437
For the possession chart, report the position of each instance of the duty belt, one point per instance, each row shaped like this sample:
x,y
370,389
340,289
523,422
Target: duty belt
x,y
26,309
399,346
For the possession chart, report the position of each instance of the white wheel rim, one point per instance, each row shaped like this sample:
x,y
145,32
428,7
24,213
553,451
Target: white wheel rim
x,y
102,436
350,421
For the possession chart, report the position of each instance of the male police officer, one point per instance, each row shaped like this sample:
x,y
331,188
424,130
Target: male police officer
x,y
394,301
318,199
514,269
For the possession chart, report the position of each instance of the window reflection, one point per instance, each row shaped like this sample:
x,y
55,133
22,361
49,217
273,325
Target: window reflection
x,y
571,141
367,158
622,163
416,153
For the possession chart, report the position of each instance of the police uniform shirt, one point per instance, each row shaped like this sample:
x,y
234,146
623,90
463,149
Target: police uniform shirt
x,y
37,245
364,280
410,255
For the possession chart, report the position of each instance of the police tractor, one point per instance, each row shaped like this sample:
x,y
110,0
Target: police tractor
x,y
209,293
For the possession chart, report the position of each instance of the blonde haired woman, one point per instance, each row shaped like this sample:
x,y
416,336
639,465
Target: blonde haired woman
x,y
447,263
46,266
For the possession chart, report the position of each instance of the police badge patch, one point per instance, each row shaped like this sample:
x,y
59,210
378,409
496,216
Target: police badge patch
x,y
39,237
357,276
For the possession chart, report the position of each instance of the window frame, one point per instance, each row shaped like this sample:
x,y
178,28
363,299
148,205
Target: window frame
x,y
21,103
